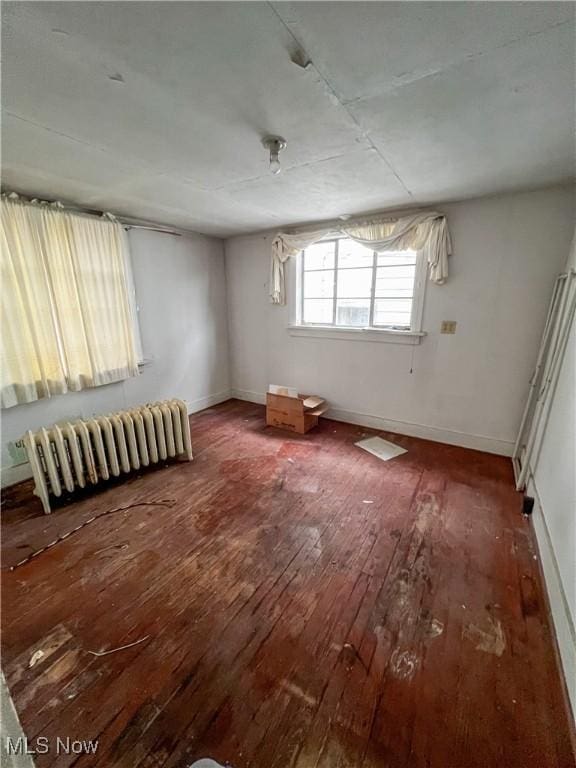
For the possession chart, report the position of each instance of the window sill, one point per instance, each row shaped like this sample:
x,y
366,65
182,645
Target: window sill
x,y
386,335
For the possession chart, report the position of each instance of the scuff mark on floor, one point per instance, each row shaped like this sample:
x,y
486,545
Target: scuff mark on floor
x,y
491,641
427,506
403,664
295,690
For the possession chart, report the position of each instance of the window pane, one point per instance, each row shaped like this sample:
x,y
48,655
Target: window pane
x,y
318,311
394,312
319,256
391,285
352,254
408,270
319,285
390,258
354,283
353,312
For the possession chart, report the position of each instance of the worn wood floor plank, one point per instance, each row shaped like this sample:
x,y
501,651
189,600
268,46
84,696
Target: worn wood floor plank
x,y
305,606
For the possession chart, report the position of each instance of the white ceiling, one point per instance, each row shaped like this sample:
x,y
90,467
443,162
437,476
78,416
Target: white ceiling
x,y
157,109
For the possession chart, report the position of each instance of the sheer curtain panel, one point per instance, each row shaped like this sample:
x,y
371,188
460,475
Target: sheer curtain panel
x,y
68,318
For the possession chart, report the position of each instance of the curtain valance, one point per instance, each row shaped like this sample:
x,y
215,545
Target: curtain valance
x,y
426,232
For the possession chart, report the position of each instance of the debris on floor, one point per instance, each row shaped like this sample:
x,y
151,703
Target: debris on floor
x,y
36,656
380,448
121,648
350,654
435,629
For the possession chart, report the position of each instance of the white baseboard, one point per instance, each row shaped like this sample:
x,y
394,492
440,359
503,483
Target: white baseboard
x,y
250,397
437,434
19,472
563,624
15,474
207,402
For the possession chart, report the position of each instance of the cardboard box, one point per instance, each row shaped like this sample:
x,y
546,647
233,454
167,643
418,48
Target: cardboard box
x,y
295,414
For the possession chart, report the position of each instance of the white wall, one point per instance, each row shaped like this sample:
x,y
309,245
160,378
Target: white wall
x,y
553,483
181,293
466,389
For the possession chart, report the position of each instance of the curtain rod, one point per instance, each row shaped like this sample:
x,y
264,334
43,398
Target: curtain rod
x,y
150,228
127,221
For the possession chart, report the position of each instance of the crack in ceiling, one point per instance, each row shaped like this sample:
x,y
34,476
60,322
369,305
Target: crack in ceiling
x,y
181,135
408,80
334,96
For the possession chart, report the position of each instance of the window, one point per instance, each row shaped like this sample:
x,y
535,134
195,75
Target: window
x,y
344,284
68,313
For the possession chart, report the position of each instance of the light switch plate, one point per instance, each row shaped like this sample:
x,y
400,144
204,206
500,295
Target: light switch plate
x,y
448,326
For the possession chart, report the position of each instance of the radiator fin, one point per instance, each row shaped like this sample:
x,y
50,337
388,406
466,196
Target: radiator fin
x,y
71,455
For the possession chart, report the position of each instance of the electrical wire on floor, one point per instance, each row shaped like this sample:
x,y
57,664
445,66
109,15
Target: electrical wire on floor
x,y
159,503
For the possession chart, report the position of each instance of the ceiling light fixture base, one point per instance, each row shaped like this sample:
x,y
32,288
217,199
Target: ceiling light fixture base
x,y
274,144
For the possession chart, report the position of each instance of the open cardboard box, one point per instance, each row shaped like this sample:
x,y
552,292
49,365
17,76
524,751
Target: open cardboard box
x,y
293,412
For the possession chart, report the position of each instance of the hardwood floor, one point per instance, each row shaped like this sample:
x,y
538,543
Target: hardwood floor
x,y
303,604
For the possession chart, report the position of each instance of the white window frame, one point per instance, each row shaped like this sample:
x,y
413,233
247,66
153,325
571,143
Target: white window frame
x,y
371,332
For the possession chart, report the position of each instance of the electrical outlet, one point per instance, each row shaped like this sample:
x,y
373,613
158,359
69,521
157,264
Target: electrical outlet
x,y
448,326
17,452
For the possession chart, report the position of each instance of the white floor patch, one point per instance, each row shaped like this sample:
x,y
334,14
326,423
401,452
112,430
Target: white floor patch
x,y
380,448
206,763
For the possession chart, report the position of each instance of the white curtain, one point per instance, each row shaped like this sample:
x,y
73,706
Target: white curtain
x,y
68,319
283,247
421,231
